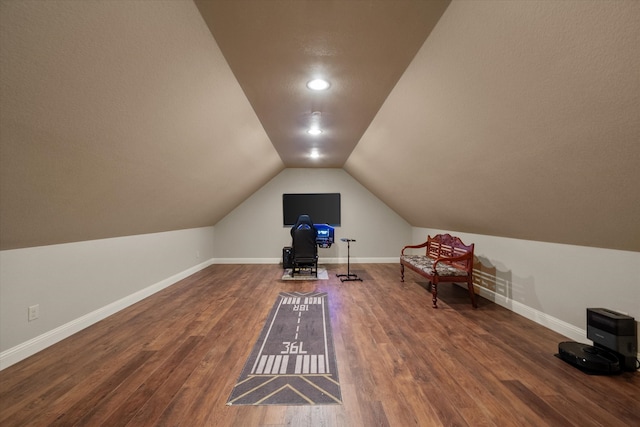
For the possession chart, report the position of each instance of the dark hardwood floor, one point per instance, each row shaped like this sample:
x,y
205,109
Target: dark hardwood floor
x,y
173,359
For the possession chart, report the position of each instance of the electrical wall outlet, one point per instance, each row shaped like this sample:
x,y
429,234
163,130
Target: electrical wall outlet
x,y
34,312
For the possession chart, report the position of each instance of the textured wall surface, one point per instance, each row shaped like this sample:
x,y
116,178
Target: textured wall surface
x,y
516,119
119,118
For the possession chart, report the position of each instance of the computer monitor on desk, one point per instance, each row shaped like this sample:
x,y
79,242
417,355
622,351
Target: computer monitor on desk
x,y
324,235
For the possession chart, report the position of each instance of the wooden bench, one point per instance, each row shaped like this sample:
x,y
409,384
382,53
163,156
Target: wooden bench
x,y
447,259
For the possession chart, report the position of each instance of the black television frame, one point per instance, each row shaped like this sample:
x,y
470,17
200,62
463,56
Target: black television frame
x,y
323,208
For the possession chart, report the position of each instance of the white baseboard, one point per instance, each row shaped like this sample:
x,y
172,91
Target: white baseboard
x,y
247,260
568,330
34,345
322,260
358,260
563,328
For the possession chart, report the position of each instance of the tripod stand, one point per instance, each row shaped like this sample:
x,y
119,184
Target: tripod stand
x,y
349,277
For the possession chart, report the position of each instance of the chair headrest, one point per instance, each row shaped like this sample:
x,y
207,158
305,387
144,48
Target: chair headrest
x,y
303,220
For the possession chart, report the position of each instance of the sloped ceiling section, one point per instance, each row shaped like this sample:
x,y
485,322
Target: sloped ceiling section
x,y
119,118
516,119
362,47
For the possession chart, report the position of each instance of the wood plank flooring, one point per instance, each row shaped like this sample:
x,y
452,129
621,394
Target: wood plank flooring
x,y
173,359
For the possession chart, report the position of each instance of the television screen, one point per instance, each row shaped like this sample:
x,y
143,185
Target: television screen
x,y
323,208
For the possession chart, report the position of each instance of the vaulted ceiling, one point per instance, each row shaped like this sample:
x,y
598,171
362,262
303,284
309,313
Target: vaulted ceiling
x,y
515,119
362,48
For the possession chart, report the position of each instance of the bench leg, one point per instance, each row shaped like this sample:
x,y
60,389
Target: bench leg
x,y
472,294
434,294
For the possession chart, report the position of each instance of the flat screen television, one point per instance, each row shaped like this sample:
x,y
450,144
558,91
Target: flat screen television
x,y
323,208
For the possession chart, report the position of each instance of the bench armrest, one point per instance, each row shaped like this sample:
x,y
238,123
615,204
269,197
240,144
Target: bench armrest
x,y
421,245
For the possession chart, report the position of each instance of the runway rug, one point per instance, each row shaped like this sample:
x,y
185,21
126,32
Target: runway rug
x,y
305,275
293,362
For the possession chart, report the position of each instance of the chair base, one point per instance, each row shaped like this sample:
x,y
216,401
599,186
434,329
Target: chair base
x,y
313,268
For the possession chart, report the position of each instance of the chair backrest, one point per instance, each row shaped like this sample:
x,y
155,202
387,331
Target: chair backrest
x,y
302,219
304,242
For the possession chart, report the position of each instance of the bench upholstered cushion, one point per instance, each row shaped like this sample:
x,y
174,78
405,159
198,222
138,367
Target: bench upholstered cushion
x,y
426,264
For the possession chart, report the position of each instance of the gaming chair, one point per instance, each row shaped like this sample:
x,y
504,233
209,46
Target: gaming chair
x,y
304,246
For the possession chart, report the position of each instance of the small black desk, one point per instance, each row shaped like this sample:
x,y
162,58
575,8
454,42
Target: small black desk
x,y
349,277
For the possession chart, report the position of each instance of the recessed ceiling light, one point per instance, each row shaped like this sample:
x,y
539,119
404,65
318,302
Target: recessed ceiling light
x,y
314,131
318,84
314,154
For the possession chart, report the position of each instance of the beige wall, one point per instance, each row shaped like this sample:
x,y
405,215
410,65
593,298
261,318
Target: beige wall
x,y
530,122
77,284
553,284
253,232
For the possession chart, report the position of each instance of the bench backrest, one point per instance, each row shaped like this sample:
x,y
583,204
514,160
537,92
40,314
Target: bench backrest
x,y
450,246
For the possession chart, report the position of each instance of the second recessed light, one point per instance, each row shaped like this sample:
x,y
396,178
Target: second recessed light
x,y
318,84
